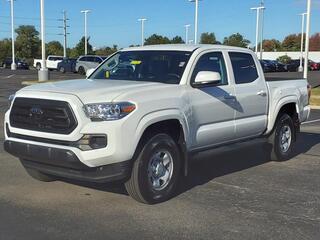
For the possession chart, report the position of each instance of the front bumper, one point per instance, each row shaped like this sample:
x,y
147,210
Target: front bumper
x,y
65,163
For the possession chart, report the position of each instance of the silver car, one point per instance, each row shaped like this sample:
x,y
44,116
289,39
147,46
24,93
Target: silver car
x,y
84,63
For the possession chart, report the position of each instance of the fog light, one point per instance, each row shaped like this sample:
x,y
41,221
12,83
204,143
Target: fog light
x,y
92,142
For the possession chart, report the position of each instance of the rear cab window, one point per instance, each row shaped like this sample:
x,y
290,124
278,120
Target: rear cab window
x,y
244,67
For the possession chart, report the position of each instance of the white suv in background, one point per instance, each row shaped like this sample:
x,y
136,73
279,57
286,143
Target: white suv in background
x,y
88,62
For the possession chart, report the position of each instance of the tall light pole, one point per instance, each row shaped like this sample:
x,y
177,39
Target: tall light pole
x,y
303,15
142,20
196,20
306,60
258,9
187,26
85,12
13,65
43,74
262,28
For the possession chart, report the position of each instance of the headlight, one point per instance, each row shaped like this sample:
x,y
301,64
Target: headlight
x,y
10,99
108,111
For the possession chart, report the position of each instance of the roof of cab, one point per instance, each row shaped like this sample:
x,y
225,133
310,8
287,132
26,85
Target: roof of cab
x,y
182,47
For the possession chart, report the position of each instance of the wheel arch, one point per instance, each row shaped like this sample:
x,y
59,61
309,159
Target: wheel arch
x,y
288,105
171,122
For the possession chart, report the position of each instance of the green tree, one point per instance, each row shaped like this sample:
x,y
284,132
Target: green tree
x,y
177,39
284,59
27,42
208,38
157,39
79,49
315,42
292,42
271,45
5,49
106,51
54,48
236,40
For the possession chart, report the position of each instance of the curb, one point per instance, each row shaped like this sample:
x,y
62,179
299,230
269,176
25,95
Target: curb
x,y
315,107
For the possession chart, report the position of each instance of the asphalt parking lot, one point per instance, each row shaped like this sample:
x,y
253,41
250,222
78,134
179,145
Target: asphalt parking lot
x,y
238,194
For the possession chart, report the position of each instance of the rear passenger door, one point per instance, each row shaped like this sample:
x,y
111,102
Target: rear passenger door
x,y
251,96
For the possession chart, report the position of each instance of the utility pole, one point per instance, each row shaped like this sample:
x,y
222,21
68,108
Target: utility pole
x,y
303,15
306,60
13,64
65,33
262,28
258,9
142,20
43,74
85,31
187,33
196,20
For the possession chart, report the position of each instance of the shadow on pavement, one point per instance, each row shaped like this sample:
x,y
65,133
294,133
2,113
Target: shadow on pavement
x,y
212,164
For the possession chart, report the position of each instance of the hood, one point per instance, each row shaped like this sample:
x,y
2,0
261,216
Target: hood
x,y
89,90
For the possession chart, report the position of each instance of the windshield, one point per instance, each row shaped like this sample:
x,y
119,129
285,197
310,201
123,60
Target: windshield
x,y
150,66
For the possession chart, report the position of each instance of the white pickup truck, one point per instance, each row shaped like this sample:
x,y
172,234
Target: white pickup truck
x,y
51,62
144,112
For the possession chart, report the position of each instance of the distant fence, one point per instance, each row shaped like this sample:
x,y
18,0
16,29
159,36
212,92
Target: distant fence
x,y
314,56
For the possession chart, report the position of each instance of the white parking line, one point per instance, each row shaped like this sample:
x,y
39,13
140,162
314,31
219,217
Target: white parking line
x,y
309,122
10,76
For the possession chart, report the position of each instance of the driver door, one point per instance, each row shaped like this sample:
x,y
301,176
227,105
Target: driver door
x,y
213,106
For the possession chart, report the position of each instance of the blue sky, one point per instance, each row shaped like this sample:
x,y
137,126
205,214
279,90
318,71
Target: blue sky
x,y
115,22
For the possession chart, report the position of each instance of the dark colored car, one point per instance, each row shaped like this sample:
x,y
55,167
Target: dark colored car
x,y
293,66
67,65
267,66
21,64
278,66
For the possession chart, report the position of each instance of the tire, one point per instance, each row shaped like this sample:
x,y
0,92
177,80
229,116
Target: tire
x,y
62,70
81,71
38,66
282,138
142,185
39,175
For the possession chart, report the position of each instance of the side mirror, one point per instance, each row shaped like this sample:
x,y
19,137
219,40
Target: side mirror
x,y
207,77
89,72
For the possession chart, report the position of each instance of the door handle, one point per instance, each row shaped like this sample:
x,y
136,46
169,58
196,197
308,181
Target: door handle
x,y
262,93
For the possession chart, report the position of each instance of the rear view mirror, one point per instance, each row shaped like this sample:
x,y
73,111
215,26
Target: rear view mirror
x,y
89,72
207,77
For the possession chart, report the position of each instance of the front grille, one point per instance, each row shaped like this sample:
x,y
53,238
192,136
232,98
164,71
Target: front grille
x,y
43,115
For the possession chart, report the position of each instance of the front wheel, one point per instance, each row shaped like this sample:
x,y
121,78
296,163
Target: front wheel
x,y
282,138
156,170
38,66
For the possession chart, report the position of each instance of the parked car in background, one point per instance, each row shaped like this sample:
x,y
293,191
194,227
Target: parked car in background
x,y
21,64
67,65
88,62
278,66
52,62
267,66
313,66
293,66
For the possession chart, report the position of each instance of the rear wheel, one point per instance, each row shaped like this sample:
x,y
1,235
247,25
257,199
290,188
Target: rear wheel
x,y
62,70
282,138
156,170
81,71
38,66
39,175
